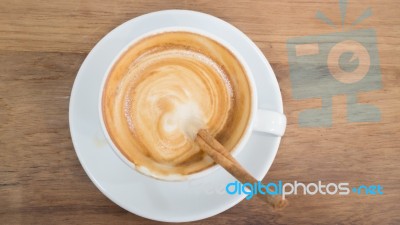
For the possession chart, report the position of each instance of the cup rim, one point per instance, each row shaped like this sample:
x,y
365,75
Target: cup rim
x,y
240,144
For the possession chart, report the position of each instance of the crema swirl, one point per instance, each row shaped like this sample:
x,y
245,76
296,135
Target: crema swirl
x,y
163,89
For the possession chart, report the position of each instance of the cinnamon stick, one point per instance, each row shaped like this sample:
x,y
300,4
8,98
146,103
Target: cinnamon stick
x,y
223,157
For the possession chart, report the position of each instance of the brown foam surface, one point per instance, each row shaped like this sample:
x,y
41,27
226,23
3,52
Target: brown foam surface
x,y
160,82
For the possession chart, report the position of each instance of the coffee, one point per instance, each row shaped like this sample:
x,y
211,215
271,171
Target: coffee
x,y
156,88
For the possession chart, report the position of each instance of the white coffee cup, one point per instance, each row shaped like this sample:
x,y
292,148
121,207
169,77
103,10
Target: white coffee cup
x,y
260,120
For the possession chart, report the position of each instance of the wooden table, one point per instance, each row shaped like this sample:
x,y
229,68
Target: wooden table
x,y
43,43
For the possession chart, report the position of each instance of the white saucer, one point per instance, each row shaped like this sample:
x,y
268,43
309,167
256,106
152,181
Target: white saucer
x,y
142,195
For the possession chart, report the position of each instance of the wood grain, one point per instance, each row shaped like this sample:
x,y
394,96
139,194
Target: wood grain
x,y
43,43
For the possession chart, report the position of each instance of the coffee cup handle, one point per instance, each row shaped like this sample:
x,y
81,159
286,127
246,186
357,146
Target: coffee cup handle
x,y
270,122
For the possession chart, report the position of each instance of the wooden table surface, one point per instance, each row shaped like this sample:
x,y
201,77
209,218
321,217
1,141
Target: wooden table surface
x,y
43,43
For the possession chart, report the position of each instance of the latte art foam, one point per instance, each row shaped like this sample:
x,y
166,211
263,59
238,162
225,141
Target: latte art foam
x,y
162,91
172,85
